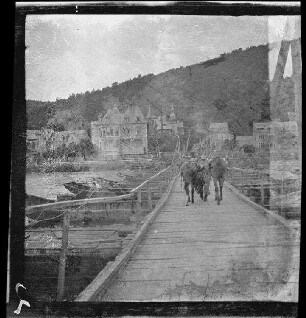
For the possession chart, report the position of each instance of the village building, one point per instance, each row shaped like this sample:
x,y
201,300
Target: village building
x,y
275,134
32,140
39,141
167,122
262,135
244,141
118,134
218,133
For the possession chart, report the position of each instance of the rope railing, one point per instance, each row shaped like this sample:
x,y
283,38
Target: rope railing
x,y
257,184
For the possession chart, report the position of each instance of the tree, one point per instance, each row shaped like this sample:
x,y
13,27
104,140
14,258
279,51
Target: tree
x,y
249,149
85,148
66,120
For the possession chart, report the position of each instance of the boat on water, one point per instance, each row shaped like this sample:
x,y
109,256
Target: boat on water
x,y
36,200
83,190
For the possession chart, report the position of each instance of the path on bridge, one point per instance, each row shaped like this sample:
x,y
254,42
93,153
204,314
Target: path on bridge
x,y
210,252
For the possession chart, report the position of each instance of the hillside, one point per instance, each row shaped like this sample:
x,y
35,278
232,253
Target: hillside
x,y
232,88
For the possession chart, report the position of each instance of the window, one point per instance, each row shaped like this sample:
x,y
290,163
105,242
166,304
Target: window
x,y
137,118
111,132
107,119
126,119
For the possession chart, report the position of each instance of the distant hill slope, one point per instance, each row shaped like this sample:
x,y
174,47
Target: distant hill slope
x,y
232,88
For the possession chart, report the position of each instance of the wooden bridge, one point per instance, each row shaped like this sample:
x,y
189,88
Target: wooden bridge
x,y
238,250
234,251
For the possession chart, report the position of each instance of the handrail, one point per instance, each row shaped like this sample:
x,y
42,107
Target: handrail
x,y
249,170
71,203
148,180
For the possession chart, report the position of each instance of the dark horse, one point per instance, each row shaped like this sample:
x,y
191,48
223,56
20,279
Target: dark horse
x,y
197,178
202,181
218,169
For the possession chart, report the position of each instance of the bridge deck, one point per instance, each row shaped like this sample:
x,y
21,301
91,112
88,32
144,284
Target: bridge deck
x,y
209,252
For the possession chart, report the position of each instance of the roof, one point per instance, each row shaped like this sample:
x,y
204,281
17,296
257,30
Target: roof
x,y
218,127
116,117
276,124
133,112
244,138
80,132
151,114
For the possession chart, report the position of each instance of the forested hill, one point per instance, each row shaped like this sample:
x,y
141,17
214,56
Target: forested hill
x,y
233,88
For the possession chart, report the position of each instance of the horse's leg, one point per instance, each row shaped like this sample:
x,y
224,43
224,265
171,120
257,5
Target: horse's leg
x,y
192,193
218,194
181,182
186,187
221,187
201,193
206,190
216,189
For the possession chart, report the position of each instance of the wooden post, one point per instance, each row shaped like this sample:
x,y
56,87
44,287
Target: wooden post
x,y
262,191
138,202
282,193
63,256
149,197
108,208
160,188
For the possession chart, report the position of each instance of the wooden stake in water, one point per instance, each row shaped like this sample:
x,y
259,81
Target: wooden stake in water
x,y
63,256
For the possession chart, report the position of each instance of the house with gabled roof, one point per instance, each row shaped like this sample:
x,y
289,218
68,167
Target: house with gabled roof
x,y
117,134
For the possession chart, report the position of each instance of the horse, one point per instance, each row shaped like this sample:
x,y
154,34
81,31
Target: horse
x,y
196,177
188,174
202,181
218,169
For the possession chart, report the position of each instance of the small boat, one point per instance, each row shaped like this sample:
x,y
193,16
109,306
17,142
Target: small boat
x,y
65,197
83,190
35,200
93,190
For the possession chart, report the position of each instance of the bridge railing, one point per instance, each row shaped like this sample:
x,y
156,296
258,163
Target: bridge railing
x,y
141,199
258,184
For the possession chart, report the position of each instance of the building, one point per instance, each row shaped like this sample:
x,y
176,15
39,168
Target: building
x,y
244,140
48,139
118,134
32,140
218,133
167,122
275,134
262,135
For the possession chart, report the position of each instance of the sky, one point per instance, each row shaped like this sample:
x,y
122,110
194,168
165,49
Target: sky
x,y
70,54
